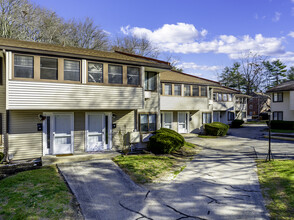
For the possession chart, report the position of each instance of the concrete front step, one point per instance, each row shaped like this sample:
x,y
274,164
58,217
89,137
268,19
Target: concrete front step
x,y
53,159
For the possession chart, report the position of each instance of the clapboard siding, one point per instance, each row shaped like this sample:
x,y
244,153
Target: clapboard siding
x,y
25,141
40,95
151,104
124,123
183,103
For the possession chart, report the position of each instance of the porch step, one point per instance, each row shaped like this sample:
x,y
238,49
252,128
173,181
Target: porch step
x,y
52,159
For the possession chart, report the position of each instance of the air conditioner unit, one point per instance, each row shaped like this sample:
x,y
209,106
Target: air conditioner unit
x,y
134,137
147,94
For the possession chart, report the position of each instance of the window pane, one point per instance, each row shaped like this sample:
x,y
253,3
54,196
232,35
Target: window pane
x,y
225,97
203,91
208,117
204,118
214,96
49,68
23,66
152,122
220,97
230,97
95,72
195,90
150,81
167,89
144,122
187,90
280,97
178,90
115,74
71,70
133,76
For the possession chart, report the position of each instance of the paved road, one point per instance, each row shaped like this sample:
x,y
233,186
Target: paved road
x,y
220,183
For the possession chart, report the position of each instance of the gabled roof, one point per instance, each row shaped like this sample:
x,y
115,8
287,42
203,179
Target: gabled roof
x,y
286,86
52,49
223,89
179,77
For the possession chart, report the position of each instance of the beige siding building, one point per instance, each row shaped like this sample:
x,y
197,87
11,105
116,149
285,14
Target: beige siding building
x,y
58,100
282,104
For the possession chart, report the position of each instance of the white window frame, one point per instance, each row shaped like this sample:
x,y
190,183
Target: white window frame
x,y
163,119
187,121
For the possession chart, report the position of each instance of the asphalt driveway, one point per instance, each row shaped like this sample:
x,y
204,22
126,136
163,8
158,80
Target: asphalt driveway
x,y
219,183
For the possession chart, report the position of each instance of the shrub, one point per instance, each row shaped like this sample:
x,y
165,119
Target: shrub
x,y
216,129
237,123
164,141
283,125
1,156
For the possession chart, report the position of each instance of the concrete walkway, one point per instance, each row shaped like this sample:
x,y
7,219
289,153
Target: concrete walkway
x,y
220,183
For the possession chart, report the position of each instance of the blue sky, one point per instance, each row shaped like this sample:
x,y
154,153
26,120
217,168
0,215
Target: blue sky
x,y
205,36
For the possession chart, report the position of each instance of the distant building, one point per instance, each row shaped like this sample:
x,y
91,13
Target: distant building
x,y
257,104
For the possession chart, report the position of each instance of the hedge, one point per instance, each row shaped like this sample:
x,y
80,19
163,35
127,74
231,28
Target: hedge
x,y
237,123
164,141
216,129
283,125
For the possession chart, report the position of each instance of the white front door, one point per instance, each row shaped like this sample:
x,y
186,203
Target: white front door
x,y
95,132
167,120
62,131
183,122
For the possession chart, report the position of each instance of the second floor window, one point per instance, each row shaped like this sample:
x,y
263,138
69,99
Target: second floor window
x,y
278,97
95,72
150,81
219,97
48,68
23,66
225,97
115,74
204,91
187,90
71,70
214,96
195,90
230,97
133,76
178,89
167,89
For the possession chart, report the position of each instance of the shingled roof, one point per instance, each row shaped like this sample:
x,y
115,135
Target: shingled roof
x,y
53,49
286,86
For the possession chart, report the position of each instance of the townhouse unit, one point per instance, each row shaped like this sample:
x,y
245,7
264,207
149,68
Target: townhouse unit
x,y
63,100
282,104
258,103
187,102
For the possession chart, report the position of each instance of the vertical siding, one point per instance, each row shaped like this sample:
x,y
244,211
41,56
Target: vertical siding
x,y
79,132
25,141
124,123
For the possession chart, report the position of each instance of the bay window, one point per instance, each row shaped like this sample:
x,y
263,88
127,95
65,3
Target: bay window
x,y
115,74
23,66
133,75
48,68
95,72
71,70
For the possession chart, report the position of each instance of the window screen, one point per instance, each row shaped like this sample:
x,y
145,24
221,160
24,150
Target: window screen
x,y
195,90
23,66
204,91
167,89
49,68
115,75
71,70
133,75
187,90
178,90
95,72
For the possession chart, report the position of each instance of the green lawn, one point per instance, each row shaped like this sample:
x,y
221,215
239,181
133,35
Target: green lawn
x,y
146,168
256,122
36,194
282,131
207,136
277,183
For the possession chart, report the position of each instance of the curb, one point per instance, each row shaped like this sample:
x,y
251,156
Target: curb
x,y
280,138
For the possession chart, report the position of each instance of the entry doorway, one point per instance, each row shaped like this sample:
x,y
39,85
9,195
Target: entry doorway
x,y
183,120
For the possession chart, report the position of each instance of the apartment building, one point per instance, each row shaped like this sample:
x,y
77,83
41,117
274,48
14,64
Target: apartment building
x,y
64,100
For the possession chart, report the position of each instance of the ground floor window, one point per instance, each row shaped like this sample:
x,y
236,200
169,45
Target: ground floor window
x,y
206,117
231,116
167,119
243,115
216,116
1,129
278,116
147,122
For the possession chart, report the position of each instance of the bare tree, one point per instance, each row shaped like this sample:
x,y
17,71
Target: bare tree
x,y
134,45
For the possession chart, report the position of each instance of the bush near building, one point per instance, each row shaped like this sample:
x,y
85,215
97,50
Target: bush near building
x,y
283,125
216,129
164,141
237,123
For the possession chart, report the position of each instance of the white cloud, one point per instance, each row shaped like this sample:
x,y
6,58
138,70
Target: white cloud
x,y
277,16
168,33
184,38
291,34
194,66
